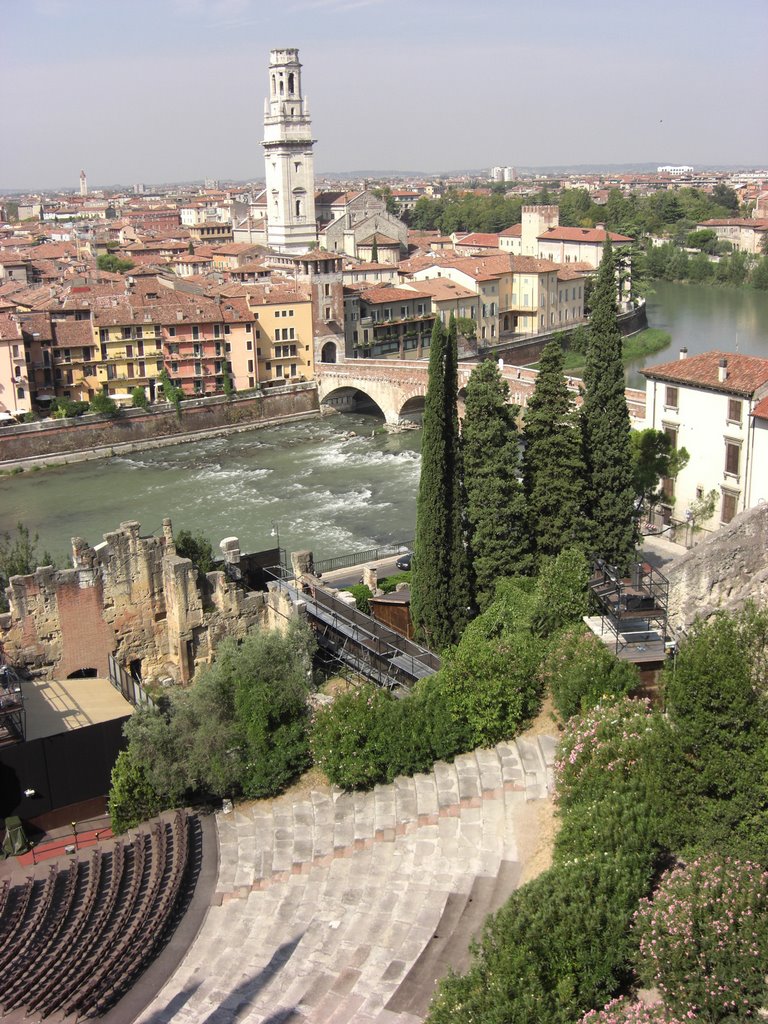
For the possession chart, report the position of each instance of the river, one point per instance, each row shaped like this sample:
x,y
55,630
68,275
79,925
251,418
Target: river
x,y
320,488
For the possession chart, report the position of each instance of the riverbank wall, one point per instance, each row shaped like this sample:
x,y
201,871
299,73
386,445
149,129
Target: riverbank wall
x,y
523,351
54,442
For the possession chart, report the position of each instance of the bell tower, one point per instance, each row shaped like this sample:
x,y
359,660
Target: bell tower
x,y
288,157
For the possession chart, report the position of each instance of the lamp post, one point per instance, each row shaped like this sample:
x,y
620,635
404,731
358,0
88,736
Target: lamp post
x,y
276,533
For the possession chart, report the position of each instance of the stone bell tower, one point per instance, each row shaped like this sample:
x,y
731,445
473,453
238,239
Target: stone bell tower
x,y
288,158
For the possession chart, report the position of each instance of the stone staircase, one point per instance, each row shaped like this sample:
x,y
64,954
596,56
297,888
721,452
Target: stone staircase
x,y
346,907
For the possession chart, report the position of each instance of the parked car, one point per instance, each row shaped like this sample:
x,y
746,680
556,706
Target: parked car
x,y
404,562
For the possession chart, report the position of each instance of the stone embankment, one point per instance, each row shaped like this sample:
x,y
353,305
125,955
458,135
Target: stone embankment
x,y
26,445
344,907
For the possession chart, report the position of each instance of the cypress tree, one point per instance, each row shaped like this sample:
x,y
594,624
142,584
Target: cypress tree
x,y
606,429
459,582
497,534
439,584
553,466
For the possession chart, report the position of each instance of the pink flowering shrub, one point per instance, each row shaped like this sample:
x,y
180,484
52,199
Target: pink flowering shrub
x,y
630,1011
703,938
601,749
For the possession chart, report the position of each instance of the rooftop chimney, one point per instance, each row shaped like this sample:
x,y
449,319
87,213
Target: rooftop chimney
x,y
683,353
722,371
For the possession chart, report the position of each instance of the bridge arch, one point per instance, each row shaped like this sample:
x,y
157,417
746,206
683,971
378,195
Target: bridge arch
x,y
352,399
412,408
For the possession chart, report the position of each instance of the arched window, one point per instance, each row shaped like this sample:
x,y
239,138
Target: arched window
x,y
282,87
328,354
274,84
290,84
298,207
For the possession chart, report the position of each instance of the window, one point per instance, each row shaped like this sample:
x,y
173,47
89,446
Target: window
x,y
216,331
728,507
125,333
249,345
291,333
670,397
250,366
103,334
195,333
734,410
326,289
251,382
248,328
732,458
226,328
19,392
171,332
129,350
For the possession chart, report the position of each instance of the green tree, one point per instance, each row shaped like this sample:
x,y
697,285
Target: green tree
x,y
375,251
553,467
271,673
139,398
497,535
132,797
759,276
102,403
654,457
19,557
724,196
197,548
113,264
704,239
606,429
439,589
716,763
172,393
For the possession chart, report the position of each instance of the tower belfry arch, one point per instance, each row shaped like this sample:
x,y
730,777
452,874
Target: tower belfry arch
x,y
288,157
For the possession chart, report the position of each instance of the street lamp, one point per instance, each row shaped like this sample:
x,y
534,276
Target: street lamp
x,y
276,532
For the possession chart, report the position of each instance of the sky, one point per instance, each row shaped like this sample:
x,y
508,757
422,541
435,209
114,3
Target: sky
x,y
172,90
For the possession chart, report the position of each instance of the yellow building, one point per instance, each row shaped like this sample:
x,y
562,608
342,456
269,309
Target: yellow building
x,y
129,347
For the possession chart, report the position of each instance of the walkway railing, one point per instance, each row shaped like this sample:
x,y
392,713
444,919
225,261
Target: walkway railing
x,y
360,557
130,688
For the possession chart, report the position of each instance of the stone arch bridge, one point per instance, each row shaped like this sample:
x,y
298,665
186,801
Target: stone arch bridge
x,y
398,386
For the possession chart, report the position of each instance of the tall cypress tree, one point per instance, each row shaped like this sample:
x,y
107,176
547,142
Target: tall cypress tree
x,y
606,429
439,584
460,589
553,466
497,533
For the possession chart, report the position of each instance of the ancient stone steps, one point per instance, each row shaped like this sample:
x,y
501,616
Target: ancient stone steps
x,y
327,908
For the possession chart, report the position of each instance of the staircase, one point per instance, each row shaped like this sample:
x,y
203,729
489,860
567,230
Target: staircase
x,y
344,907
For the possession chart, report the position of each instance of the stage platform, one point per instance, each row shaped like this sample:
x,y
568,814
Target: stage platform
x,y
62,705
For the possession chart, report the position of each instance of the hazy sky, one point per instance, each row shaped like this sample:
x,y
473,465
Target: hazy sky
x,y
166,90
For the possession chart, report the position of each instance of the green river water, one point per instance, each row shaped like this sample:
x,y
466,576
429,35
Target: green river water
x,y
322,489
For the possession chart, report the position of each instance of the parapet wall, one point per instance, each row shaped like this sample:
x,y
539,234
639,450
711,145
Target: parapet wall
x,y
57,437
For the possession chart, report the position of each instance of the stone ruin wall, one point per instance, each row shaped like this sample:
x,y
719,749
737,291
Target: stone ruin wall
x,y
133,597
723,573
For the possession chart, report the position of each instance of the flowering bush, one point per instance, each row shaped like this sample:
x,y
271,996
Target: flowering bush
x,y
703,938
580,671
629,1011
603,747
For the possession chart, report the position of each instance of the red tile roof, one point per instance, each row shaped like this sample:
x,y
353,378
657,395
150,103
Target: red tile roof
x,y
479,238
761,409
745,374
385,294
515,231
594,235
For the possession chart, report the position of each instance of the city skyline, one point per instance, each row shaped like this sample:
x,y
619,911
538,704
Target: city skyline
x,y
173,91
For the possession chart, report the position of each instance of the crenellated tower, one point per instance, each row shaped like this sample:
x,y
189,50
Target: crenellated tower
x,y
288,157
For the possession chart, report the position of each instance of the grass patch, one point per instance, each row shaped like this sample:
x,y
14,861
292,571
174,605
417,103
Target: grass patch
x,y
651,340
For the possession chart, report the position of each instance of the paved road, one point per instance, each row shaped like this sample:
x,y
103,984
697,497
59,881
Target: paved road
x,y
348,577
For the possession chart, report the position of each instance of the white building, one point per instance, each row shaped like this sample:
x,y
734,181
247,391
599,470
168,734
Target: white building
x,y
288,158
83,184
673,169
714,405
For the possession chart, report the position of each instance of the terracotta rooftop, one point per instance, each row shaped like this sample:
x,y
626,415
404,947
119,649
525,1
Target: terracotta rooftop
x,y
593,235
745,374
73,333
385,294
515,231
490,241
761,409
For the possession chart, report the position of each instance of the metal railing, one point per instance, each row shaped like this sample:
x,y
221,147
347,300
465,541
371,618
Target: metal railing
x,y
129,687
359,557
